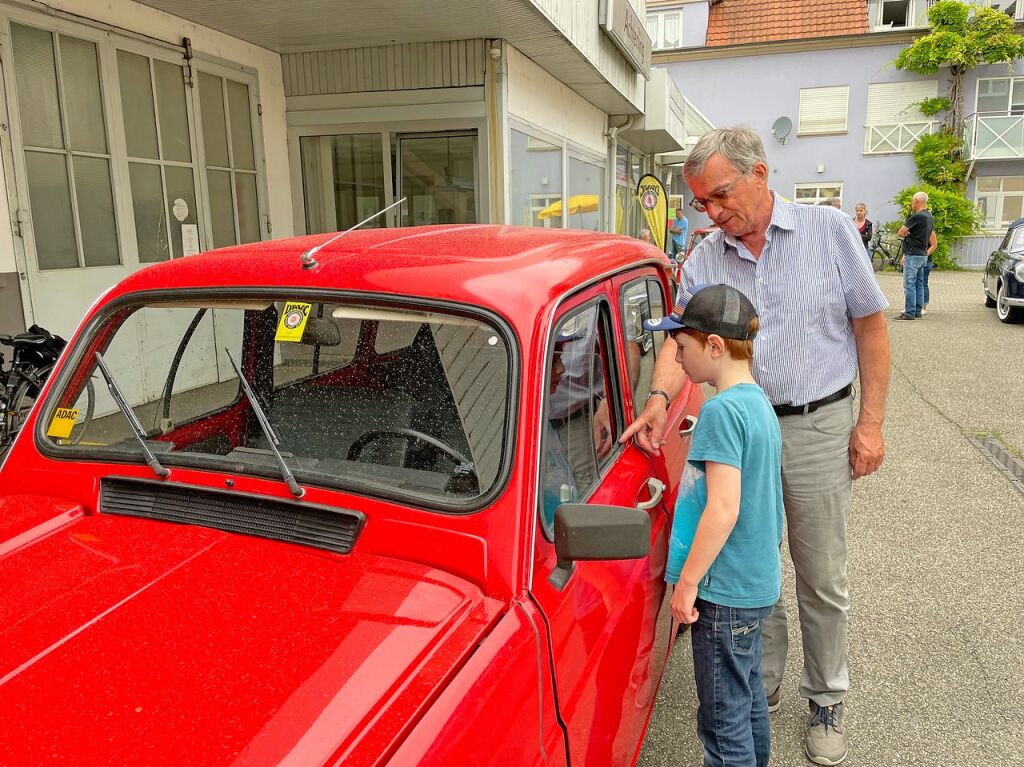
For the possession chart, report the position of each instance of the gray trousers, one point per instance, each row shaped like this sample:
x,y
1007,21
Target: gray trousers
x,y
816,487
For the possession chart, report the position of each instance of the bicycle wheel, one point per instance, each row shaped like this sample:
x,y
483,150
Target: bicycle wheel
x,y
877,259
21,402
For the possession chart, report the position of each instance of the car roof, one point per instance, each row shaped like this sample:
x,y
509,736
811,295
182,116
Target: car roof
x,y
1016,224
512,270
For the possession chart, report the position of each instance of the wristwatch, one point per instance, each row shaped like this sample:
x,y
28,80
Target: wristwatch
x,y
661,393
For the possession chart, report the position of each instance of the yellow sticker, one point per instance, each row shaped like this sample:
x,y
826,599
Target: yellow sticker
x,y
293,321
63,422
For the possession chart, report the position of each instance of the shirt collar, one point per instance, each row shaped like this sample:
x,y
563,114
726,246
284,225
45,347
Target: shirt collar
x,y
782,218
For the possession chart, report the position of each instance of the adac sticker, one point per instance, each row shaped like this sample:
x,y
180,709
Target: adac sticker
x,y
63,422
293,321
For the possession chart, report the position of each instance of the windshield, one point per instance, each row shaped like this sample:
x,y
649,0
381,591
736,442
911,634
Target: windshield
x,y
393,401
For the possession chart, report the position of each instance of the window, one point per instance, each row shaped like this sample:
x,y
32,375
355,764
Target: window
x,y
823,110
641,300
665,28
159,148
66,149
579,421
893,123
342,181
1012,8
894,14
426,421
536,174
230,160
812,194
98,201
1001,96
1000,199
586,184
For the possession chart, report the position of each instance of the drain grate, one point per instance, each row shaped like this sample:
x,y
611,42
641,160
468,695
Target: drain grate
x,y
993,449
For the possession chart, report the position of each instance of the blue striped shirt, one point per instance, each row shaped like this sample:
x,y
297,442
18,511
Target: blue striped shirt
x,y
810,280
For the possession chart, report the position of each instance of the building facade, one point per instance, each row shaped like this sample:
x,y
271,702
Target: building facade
x,y
134,132
816,80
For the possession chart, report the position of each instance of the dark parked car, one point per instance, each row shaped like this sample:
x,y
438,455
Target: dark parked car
x,y
1004,275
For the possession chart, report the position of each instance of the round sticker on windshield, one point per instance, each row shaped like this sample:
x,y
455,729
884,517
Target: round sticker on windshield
x,y
180,209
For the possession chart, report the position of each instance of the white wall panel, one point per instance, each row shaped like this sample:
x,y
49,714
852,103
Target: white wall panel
x,y
447,64
540,99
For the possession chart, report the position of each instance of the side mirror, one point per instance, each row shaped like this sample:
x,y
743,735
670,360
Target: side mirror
x,y
586,532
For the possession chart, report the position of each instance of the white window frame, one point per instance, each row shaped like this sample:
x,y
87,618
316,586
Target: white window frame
x,y
995,199
917,10
107,44
1001,5
1010,108
817,186
814,101
657,26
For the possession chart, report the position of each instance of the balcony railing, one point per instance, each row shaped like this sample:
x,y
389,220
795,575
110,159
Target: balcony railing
x,y
993,136
895,137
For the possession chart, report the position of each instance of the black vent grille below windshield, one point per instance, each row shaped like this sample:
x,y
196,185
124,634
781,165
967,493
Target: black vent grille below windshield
x,y
319,526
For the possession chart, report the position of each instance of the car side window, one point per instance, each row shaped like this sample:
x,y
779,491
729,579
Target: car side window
x,y
1017,240
580,421
641,300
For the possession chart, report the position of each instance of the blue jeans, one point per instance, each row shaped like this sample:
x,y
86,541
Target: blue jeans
x,y
914,272
732,718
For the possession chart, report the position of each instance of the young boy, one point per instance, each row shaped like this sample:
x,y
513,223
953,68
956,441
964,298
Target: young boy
x,y
724,549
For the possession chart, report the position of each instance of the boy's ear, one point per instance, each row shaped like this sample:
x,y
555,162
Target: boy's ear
x,y
717,344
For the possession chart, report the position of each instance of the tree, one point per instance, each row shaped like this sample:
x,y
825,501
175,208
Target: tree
x,y
962,36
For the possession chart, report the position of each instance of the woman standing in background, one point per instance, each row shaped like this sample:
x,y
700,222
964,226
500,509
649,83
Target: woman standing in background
x,y
864,226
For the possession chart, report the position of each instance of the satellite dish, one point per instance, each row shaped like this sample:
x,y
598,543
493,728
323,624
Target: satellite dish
x,y
781,129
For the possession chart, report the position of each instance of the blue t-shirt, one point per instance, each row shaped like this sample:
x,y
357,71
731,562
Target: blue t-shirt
x,y
736,427
682,224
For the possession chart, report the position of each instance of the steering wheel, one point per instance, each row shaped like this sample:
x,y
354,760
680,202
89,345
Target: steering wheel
x,y
409,435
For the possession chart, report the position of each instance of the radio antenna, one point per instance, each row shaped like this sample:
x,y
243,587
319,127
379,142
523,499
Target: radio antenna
x,y
307,258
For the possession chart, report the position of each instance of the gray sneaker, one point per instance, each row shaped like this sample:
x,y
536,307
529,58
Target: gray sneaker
x,y
775,699
826,737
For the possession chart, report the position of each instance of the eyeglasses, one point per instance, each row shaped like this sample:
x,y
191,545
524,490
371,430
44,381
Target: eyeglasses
x,y
718,198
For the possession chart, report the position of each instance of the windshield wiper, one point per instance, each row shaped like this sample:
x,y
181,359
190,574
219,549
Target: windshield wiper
x,y
140,434
268,430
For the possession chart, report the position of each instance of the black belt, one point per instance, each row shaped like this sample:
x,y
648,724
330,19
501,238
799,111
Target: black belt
x,y
810,407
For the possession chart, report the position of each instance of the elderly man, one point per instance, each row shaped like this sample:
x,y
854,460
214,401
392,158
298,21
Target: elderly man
x,y
919,243
804,269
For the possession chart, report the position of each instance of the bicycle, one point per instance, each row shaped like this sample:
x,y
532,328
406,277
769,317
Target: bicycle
x,y
33,357
885,252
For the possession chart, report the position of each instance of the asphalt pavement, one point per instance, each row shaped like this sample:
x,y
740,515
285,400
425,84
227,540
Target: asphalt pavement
x,y
936,562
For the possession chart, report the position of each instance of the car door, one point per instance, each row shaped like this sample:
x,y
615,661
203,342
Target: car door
x,y
600,620
641,296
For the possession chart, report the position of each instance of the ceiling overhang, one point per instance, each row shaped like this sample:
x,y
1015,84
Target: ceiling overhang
x,y
289,26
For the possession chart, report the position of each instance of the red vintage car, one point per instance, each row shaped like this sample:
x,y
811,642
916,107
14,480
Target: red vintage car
x,y
363,505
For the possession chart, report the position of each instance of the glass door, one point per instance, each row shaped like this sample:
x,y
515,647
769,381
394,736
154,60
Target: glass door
x,y
437,174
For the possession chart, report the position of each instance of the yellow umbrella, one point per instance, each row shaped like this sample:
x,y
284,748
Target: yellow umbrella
x,y
578,203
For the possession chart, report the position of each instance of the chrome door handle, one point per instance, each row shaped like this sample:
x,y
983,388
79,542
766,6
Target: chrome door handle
x,y
687,426
657,489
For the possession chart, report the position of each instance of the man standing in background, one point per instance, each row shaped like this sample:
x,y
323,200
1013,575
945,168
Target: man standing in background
x,y
919,243
678,229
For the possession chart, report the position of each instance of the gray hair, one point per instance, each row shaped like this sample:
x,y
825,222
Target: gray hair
x,y
740,145
922,196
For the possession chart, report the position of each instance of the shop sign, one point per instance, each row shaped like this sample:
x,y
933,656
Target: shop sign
x,y
622,24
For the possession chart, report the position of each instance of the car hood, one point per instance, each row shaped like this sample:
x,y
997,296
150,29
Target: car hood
x,y
128,641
